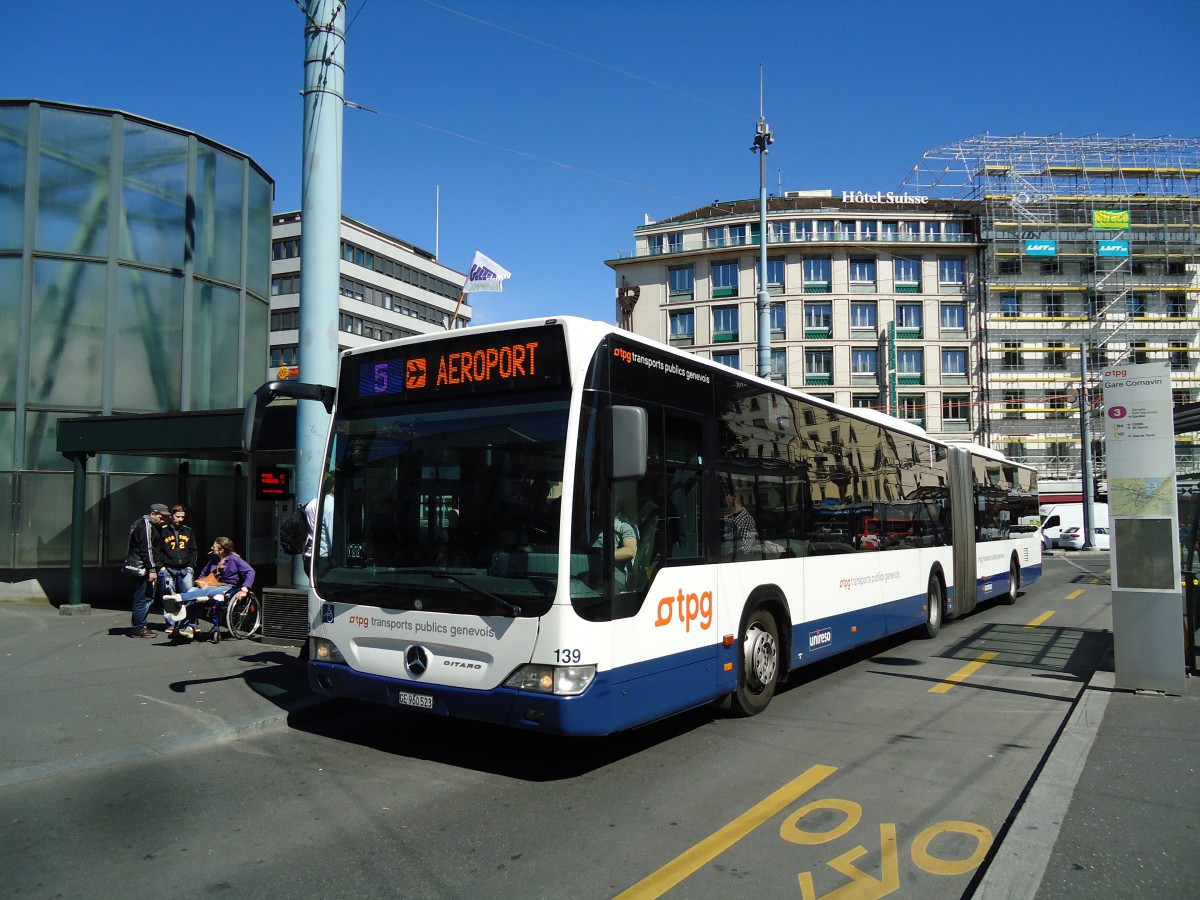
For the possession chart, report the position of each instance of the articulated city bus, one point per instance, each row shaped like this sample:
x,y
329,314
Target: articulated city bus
x,y
558,525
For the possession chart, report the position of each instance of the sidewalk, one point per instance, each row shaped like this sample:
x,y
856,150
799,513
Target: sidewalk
x,y
79,693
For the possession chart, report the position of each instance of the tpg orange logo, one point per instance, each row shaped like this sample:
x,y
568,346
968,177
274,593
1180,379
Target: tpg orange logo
x,y
688,608
622,354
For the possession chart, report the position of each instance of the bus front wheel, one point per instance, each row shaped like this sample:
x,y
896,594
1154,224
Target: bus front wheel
x,y
759,671
935,606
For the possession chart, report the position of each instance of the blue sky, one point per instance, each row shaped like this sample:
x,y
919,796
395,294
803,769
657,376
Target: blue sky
x,y
554,128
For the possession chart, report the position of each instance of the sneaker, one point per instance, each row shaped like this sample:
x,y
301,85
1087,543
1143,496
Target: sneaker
x,y
187,632
143,631
169,631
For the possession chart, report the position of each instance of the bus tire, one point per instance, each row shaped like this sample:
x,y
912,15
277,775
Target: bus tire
x,y
758,670
1014,582
935,606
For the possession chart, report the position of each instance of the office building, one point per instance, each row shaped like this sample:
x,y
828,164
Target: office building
x,y
874,298
388,289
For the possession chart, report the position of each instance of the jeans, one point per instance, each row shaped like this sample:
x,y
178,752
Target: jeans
x,y
174,581
202,592
142,598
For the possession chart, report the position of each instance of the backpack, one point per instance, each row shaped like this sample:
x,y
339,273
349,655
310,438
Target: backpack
x,y
293,531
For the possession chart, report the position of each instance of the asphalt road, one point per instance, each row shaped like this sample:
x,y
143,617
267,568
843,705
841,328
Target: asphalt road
x,y
894,771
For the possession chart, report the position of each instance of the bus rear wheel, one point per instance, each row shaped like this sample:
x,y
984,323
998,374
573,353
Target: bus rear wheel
x,y
1014,582
758,674
935,606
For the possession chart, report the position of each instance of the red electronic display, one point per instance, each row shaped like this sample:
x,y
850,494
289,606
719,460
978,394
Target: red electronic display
x,y
272,483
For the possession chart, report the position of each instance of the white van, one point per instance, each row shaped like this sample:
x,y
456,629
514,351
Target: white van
x,y
1058,516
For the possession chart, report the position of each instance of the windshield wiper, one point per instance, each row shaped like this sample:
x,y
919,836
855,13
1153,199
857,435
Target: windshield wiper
x,y
513,609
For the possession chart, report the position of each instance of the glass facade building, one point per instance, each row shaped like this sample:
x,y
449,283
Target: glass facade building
x,y
134,278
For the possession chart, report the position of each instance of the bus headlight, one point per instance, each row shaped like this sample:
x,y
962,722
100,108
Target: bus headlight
x,y
326,651
564,681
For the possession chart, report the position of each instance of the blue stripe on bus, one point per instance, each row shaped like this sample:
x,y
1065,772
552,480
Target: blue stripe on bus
x,y
628,695
644,691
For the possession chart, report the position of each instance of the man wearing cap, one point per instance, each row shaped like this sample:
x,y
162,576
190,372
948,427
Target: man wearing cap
x,y
145,539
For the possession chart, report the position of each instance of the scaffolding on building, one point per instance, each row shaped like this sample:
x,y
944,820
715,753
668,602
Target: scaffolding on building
x,y
1089,242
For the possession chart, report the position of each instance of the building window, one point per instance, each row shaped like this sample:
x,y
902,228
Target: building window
x,y
907,275
954,317
1135,305
933,231
683,327
954,363
285,284
912,408
818,366
1181,396
1056,355
737,235
1013,403
824,229
778,318
779,366
908,320
1010,307
775,274
868,229
1177,306
1140,356
778,232
1180,360
910,365
288,248
865,401
952,272
715,236
284,356
675,242
725,279
1097,358
285,319
818,320
681,283
891,231
817,274
731,358
1052,306
1011,358
1009,266
864,361
956,409
910,231
863,315
655,244
862,272
725,324
804,230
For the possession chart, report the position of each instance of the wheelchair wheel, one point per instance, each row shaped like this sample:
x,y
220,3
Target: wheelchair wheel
x,y
242,617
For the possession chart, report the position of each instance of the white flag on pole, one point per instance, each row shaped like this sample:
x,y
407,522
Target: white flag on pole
x,y
485,275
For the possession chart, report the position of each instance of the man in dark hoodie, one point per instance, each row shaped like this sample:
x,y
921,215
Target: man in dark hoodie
x,y
179,555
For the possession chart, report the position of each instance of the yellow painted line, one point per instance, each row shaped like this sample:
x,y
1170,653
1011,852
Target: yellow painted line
x,y
1040,619
1074,594
964,673
658,883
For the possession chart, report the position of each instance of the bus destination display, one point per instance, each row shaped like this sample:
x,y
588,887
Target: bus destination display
x,y
488,363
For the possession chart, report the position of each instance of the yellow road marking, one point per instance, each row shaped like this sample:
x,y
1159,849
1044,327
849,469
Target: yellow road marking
x,y
964,673
1040,619
658,883
1074,594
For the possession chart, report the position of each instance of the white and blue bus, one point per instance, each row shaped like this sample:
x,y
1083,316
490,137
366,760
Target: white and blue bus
x,y
558,525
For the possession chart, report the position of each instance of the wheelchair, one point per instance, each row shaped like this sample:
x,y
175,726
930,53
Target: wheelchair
x,y
241,618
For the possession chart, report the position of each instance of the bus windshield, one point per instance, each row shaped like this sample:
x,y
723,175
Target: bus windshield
x,y
447,507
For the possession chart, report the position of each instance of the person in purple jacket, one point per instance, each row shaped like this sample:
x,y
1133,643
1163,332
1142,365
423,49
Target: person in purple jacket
x,y
234,575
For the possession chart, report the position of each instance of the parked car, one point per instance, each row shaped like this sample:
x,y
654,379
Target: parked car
x,y
1072,538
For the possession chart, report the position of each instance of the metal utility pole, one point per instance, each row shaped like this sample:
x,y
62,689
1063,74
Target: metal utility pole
x,y
763,138
1085,449
320,236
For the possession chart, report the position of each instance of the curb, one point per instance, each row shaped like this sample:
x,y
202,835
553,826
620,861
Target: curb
x,y
1020,863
